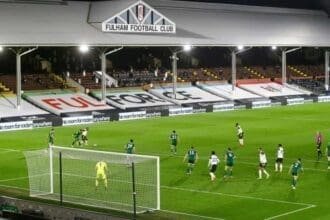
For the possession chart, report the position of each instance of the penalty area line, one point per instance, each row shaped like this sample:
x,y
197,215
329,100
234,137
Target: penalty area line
x,y
14,187
308,206
21,178
192,215
237,196
291,212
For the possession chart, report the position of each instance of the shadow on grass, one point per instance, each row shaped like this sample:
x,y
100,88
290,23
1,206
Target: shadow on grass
x,y
292,196
179,181
255,186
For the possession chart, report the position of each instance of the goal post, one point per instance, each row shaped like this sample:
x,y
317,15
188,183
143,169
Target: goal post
x,y
76,181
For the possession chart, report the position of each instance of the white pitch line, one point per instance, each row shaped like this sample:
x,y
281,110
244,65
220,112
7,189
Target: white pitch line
x,y
192,215
12,179
15,187
6,152
198,191
288,213
8,149
25,149
21,178
238,196
215,193
253,198
163,210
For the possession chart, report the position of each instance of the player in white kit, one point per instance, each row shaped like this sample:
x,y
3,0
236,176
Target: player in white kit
x,y
279,158
262,164
213,164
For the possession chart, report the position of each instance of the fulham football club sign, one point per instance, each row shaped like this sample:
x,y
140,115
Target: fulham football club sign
x,y
139,18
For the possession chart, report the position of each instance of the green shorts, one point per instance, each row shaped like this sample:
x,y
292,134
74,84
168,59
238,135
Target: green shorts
x,y
191,161
229,164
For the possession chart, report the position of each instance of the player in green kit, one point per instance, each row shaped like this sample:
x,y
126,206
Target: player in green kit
x,y
192,158
229,157
130,149
295,169
174,141
328,153
51,137
76,138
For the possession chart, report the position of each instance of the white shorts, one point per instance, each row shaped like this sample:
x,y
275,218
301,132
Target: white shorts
x,y
241,141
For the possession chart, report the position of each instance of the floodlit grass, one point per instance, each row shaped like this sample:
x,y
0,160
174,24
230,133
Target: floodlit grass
x,y
195,196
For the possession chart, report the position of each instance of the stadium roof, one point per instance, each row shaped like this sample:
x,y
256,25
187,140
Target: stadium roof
x,y
202,24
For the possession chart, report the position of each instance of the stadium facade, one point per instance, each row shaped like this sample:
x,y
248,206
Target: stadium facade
x,y
200,24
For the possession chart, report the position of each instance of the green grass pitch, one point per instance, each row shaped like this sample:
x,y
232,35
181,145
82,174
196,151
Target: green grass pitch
x,y
195,196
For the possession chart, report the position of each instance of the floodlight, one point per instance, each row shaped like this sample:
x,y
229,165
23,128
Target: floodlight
x,y
187,47
1,48
274,47
240,47
83,48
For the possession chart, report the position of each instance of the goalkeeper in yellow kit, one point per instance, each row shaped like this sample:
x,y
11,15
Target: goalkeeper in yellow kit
x,y
101,174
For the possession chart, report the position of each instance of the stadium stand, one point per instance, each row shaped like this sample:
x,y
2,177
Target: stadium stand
x,y
8,108
136,78
186,94
272,89
314,85
225,90
33,81
87,80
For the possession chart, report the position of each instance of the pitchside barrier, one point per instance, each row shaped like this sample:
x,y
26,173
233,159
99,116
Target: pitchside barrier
x,y
69,175
77,109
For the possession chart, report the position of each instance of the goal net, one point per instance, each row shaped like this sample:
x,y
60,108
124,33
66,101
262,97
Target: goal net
x,y
69,175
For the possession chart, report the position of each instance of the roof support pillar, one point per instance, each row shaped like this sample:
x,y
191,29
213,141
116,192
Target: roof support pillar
x,y
284,53
283,67
103,70
18,80
174,72
233,70
327,69
234,64
103,56
19,55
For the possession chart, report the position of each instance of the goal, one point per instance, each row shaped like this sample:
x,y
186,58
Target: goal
x,y
68,175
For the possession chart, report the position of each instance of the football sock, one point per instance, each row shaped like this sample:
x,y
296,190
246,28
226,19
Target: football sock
x,y
265,172
106,183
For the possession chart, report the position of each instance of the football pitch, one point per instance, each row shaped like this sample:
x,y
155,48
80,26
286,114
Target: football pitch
x,y
195,196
